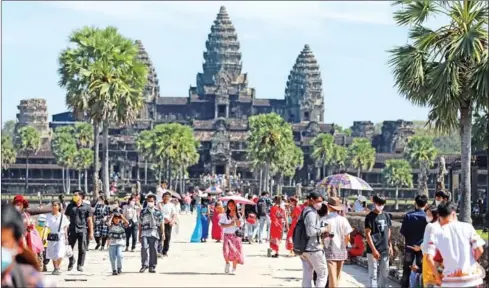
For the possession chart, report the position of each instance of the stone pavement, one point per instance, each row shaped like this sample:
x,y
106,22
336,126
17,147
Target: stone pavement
x,y
197,265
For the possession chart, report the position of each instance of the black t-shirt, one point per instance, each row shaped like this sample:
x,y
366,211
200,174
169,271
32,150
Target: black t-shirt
x,y
379,224
78,217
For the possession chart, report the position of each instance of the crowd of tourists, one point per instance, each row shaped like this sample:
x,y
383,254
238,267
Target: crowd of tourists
x,y
439,250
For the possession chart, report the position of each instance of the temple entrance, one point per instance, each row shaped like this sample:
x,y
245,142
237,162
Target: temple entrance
x,y
221,111
220,169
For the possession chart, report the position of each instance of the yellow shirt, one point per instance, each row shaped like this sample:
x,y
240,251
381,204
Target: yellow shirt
x,y
43,233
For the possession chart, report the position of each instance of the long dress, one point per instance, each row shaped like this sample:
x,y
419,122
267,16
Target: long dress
x,y
197,234
204,218
56,249
296,212
216,228
277,218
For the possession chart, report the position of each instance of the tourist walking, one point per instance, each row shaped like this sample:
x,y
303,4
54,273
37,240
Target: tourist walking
x,y
131,213
295,212
101,212
31,238
459,246
204,218
335,245
117,233
263,208
57,239
160,190
232,249
309,248
277,223
15,274
378,234
149,235
412,228
169,212
81,225
43,232
251,224
216,228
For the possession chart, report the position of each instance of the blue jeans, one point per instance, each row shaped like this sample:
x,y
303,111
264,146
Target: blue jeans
x,y
264,221
115,253
251,230
378,270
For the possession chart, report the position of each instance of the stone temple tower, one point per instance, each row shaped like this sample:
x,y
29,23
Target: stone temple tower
x,y
152,88
222,58
34,112
304,90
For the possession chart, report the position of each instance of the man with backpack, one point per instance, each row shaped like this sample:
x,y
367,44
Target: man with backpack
x,y
263,208
307,242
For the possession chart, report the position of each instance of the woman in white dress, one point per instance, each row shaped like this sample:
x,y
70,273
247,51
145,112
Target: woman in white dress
x,y
58,225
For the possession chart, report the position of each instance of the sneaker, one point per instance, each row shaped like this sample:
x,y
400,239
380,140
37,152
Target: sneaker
x,y
165,255
233,272
56,272
127,249
98,246
143,269
79,268
71,264
119,271
226,269
44,268
152,270
114,272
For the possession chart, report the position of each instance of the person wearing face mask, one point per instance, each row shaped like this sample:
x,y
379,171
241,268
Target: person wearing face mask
x,y
378,234
20,267
80,229
100,215
57,238
412,228
43,232
149,234
131,212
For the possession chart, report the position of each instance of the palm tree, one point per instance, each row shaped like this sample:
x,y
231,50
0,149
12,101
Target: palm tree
x,y
83,161
339,157
104,80
421,153
9,154
443,69
28,143
397,173
64,149
362,155
85,137
323,150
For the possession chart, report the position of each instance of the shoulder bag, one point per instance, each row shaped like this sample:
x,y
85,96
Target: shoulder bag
x,y
55,236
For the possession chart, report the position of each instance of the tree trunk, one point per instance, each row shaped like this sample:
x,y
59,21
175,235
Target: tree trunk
x,y
359,175
145,172
105,158
260,187
26,173
397,198
86,181
63,178
96,162
79,179
423,189
466,133
324,171
68,180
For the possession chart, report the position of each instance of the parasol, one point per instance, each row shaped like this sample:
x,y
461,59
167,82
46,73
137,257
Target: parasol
x,y
345,181
237,199
213,190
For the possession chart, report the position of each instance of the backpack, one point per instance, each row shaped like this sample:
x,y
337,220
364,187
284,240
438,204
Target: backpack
x,y
300,238
262,207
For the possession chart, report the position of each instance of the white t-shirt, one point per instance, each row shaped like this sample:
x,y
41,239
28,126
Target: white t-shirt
x,y
223,219
428,231
159,193
455,241
52,222
168,210
340,227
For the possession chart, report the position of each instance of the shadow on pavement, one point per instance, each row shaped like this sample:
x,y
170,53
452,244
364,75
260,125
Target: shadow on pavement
x,y
192,273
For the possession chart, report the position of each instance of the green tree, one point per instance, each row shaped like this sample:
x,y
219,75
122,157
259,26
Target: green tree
x,y
8,129
480,131
104,80
64,149
421,153
84,134
441,69
28,143
323,150
144,146
361,155
9,154
397,173
82,162
340,156
292,160
268,143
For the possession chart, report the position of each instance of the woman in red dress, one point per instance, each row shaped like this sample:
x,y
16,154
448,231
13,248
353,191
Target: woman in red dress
x,y
277,219
295,212
216,228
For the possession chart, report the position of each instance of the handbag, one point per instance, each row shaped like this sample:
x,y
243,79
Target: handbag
x,y
68,251
55,236
239,232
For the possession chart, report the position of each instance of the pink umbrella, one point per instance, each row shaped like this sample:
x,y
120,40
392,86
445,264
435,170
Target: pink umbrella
x,y
213,190
238,200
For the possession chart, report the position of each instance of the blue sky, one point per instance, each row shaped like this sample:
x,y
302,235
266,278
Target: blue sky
x,y
349,40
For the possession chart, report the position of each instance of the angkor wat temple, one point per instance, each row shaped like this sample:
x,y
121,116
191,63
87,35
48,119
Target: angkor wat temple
x,y
218,107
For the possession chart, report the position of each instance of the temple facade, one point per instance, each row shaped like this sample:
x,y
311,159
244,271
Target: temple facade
x,y
218,108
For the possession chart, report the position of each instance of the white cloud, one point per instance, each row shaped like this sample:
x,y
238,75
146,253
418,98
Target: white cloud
x,y
273,13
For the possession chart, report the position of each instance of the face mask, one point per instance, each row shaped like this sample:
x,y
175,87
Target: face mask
x,y
132,203
41,224
437,202
76,199
379,207
317,206
151,204
429,219
18,208
7,256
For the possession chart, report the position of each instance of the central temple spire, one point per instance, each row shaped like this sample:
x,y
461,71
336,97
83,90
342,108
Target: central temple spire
x,y
222,53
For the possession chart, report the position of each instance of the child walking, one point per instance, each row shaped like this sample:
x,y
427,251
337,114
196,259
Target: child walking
x,y
117,240
43,233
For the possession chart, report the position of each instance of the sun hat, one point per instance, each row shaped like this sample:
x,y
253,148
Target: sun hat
x,y
335,203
